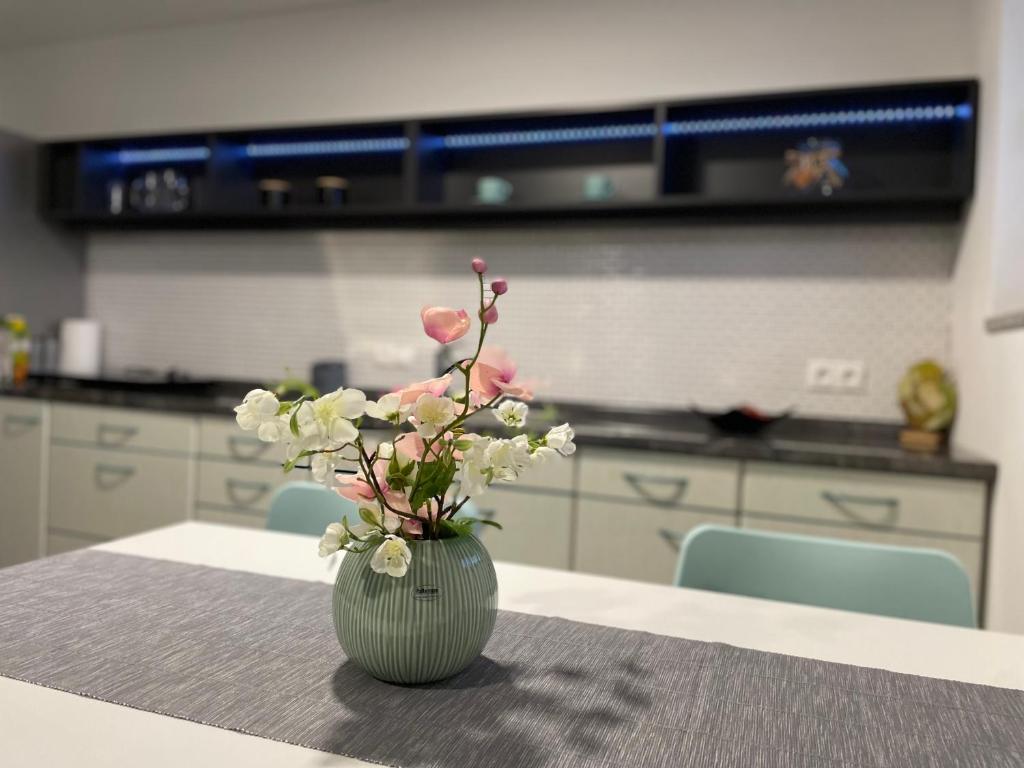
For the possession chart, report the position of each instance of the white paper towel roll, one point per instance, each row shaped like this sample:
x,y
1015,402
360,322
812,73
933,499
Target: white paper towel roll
x,y
81,347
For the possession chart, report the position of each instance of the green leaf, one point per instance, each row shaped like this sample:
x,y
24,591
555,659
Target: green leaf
x,y
289,465
293,422
482,521
434,479
368,517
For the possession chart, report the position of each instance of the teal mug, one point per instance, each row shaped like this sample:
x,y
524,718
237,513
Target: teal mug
x,y
598,186
493,190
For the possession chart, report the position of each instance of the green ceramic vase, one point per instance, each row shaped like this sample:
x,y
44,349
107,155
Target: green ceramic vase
x,y
425,626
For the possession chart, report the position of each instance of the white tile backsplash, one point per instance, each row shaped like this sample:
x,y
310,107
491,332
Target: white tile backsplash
x,y
663,315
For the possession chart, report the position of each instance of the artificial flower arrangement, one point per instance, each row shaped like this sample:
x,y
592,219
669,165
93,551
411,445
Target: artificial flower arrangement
x,y
405,488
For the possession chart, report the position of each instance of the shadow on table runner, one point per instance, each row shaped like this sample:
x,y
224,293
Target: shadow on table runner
x,y
257,654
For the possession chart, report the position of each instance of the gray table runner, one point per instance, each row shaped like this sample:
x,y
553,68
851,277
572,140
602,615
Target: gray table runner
x,y
257,654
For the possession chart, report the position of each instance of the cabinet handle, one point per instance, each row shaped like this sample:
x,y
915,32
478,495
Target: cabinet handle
x,y
673,538
16,425
256,489
676,487
843,502
109,476
246,448
115,434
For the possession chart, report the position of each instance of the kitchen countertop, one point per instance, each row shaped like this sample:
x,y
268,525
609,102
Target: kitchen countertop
x,y
833,443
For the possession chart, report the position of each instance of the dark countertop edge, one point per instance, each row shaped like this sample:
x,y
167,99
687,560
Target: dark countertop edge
x,y
872,444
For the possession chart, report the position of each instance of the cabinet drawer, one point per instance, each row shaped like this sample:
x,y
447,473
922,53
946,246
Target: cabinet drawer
x,y
969,553
104,494
537,527
122,428
878,499
241,486
635,541
659,479
225,517
223,438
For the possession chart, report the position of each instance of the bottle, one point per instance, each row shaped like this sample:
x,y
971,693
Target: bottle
x,y
19,348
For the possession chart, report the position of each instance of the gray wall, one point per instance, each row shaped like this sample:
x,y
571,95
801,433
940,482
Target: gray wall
x,y
41,268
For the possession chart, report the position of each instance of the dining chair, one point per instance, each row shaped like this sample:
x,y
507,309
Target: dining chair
x,y
306,507
904,582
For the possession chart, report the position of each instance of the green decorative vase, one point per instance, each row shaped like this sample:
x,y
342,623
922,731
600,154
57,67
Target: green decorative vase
x,y
425,626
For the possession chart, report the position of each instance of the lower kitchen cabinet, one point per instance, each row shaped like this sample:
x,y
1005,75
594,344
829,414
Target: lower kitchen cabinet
x,y
23,443
242,518
58,543
635,541
537,527
107,494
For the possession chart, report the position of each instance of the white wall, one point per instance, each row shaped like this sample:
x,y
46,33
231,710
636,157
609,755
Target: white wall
x,y
407,58
990,368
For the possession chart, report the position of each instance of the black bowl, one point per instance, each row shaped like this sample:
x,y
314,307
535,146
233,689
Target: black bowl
x,y
741,421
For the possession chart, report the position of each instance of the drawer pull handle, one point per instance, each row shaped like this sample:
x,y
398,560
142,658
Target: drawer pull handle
x,y
844,502
109,476
255,489
245,447
115,434
673,538
677,488
16,425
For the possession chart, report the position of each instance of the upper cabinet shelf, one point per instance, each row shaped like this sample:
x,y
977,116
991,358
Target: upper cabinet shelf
x,y
902,151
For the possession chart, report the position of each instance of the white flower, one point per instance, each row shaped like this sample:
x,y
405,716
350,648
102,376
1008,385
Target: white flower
x,y
511,413
542,454
432,414
561,439
508,458
386,450
258,411
474,471
334,538
392,557
390,522
331,415
388,408
322,466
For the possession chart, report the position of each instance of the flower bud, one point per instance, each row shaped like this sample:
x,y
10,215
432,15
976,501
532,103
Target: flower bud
x,y
499,286
490,315
479,265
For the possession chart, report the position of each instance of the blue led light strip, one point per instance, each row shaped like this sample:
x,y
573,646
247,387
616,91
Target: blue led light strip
x,y
338,147
163,155
928,114
549,136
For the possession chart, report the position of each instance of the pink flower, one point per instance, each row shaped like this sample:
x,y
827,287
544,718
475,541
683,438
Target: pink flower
x,y
479,265
355,488
444,324
499,286
494,374
436,387
490,315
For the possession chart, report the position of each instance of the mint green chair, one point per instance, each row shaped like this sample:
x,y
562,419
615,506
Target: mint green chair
x,y
305,507
905,582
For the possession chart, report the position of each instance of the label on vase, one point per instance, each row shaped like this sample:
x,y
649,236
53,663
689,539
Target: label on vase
x,y
426,592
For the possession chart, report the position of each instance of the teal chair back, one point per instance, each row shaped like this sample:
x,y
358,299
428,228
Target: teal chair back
x,y
304,507
905,582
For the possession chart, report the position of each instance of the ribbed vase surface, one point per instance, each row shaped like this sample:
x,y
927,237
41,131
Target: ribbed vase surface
x,y
424,626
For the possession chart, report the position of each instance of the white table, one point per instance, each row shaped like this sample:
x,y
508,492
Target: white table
x,y
43,727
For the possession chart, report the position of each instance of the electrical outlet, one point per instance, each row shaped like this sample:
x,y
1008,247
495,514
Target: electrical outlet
x,y
836,376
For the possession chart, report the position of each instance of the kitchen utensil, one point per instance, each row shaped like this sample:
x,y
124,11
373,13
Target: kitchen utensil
x,y
743,420
329,375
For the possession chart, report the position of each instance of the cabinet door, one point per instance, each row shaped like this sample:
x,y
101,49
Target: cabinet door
x,y
635,541
536,527
881,500
107,494
22,460
122,428
237,486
